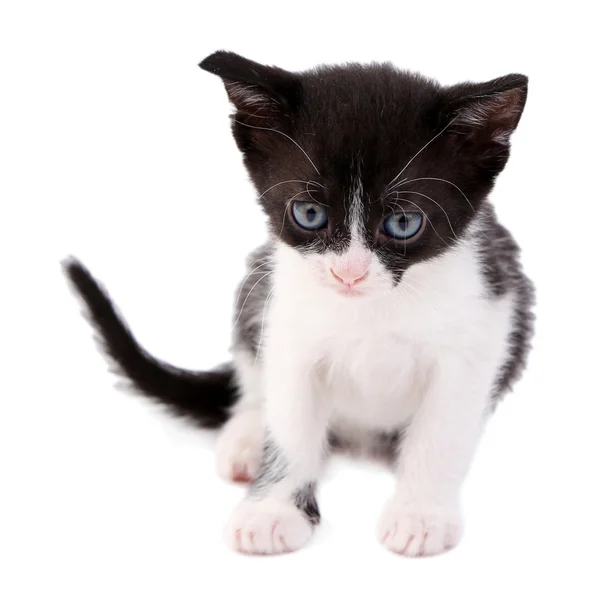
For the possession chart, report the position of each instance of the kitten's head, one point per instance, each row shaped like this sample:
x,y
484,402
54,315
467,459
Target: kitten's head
x,y
365,170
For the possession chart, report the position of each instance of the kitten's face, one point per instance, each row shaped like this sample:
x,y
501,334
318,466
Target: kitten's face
x,y
366,170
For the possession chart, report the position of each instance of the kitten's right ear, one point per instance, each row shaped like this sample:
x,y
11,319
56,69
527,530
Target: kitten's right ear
x,y
259,93
483,116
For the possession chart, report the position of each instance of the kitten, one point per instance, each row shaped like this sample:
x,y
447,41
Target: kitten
x,y
388,311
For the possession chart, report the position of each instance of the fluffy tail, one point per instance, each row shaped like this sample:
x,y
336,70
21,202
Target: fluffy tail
x,y
204,397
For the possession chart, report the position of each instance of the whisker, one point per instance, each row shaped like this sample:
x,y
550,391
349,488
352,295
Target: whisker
x,y
398,184
426,217
251,272
404,213
419,152
414,299
420,294
289,203
281,183
268,273
270,129
404,294
405,181
436,203
311,197
262,324
377,251
419,281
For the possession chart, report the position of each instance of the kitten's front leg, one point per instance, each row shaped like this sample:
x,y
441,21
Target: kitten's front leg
x,y
424,515
280,511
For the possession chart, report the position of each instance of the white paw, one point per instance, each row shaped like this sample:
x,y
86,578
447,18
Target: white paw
x,y
267,527
239,447
416,532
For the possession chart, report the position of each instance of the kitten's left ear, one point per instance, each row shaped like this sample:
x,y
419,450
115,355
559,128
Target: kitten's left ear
x,y
265,98
483,116
257,91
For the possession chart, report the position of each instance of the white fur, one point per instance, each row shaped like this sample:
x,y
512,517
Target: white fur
x,y
240,445
266,527
423,354
420,531
247,96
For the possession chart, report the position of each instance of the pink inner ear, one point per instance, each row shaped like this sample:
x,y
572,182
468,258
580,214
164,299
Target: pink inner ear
x,y
496,116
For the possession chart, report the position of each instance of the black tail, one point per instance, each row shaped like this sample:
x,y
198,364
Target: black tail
x,y
204,397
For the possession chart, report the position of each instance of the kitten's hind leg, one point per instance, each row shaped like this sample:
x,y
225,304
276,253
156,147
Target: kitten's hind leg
x,y
239,448
240,445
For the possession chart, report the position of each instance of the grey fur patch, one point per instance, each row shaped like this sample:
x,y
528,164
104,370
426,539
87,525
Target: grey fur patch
x,y
381,446
253,299
502,272
273,469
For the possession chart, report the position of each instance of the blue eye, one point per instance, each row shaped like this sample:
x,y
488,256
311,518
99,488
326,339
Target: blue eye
x,y
309,215
403,226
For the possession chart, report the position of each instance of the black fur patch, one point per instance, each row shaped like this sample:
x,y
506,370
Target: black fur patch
x,y
347,135
273,469
203,397
306,502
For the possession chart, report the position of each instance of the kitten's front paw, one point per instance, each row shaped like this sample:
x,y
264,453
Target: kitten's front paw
x,y
239,447
267,527
420,531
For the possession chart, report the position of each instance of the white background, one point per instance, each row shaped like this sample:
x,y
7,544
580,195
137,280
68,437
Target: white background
x,y
115,147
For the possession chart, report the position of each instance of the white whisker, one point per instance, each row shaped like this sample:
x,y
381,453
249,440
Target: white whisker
x,y
268,273
419,281
270,129
289,203
405,181
419,293
419,152
436,203
280,183
251,272
404,294
262,324
426,217
311,197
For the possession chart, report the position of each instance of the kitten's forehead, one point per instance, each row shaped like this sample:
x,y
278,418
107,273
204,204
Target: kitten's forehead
x,y
367,116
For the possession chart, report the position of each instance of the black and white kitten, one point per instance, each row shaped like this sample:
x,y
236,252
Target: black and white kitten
x,y
388,311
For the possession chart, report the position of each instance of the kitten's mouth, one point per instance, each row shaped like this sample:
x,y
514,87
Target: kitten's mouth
x,y
349,291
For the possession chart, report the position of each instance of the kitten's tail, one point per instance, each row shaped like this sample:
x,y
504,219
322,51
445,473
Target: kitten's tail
x,y
204,397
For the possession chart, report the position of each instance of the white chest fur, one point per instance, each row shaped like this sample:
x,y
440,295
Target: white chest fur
x,y
375,353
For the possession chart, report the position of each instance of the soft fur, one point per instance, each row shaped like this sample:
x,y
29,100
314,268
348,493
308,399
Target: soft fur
x,y
345,337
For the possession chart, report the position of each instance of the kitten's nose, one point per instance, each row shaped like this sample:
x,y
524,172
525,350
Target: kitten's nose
x,y
349,276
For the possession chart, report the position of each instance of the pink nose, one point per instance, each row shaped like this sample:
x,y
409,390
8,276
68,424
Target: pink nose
x,y
349,277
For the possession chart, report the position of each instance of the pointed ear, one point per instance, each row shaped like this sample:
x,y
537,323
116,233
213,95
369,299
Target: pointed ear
x,y
480,119
259,93
488,113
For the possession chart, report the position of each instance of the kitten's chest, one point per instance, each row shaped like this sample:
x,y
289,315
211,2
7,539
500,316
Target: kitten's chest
x,y
375,376
372,355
